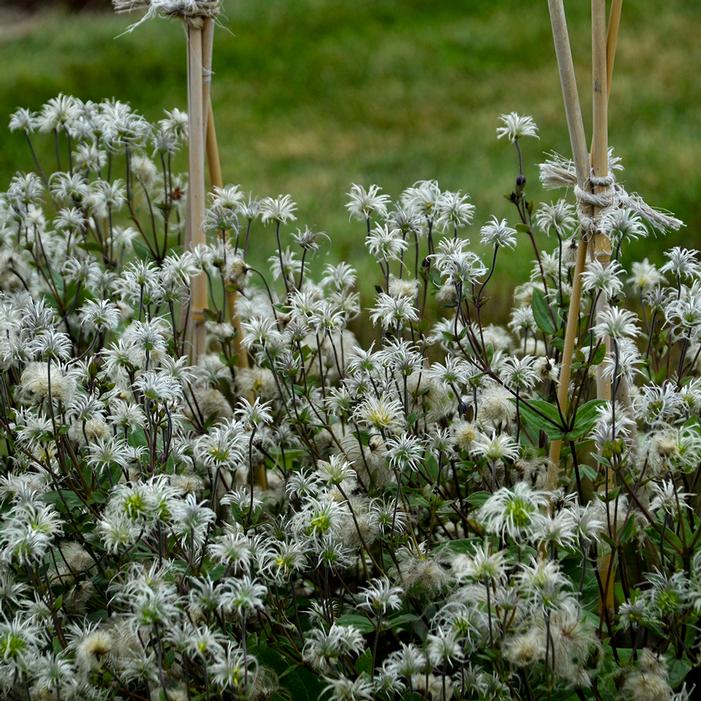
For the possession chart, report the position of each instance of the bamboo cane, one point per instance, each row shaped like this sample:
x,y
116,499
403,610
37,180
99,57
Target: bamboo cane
x,y
603,53
575,127
215,172
216,180
612,40
196,187
213,162
207,52
601,249
623,391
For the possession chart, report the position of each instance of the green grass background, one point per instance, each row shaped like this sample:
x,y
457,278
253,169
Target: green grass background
x,y
311,95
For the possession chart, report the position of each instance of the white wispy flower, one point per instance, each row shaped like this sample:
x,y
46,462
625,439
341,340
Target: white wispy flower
x,y
512,511
544,584
24,120
519,373
498,446
498,233
617,323
515,126
380,596
559,217
393,313
603,278
681,262
364,204
383,413
191,519
645,276
280,209
422,198
231,669
405,452
385,244
453,211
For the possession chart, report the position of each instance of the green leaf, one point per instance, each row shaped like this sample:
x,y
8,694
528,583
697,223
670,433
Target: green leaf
x,y
96,616
363,624
364,663
458,545
628,530
599,355
586,417
217,572
673,539
141,250
431,465
588,472
301,684
296,682
92,246
541,312
543,416
401,619
476,499
625,654
63,498
678,669
137,438
419,500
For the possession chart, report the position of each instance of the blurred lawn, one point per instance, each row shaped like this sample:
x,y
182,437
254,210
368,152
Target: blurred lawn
x,y
311,95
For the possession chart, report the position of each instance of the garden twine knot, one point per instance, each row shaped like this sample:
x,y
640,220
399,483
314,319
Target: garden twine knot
x,y
558,172
598,203
192,12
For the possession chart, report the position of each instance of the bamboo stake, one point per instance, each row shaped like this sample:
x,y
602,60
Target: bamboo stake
x,y
568,82
603,52
575,127
215,172
207,52
601,249
614,23
216,180
612,40
196,187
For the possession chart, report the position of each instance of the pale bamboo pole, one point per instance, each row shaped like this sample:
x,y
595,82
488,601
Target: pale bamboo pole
x,y
215,172
601,249
580,154
612,40
196,187
207,52
581,159
216,180
603,53
614,25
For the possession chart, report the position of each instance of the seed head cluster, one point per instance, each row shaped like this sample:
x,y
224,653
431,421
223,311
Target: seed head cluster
x,y
362,510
